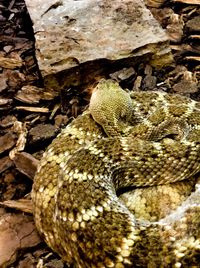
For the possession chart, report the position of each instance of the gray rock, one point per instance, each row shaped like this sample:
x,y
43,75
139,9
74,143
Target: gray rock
x,y
69,33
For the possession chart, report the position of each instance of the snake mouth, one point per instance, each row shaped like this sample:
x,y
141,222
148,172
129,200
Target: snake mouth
x,y
126,189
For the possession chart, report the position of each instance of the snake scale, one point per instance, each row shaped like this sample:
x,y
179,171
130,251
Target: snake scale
x,y
119,185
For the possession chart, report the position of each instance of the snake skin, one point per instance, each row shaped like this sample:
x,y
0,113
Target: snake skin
x,y
124,192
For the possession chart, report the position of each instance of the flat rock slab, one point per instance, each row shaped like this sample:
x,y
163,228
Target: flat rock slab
x,y
69,32
17,232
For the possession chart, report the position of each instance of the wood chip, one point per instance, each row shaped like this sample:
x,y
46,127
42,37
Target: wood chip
x,y
10,63
185,86
5,163
3,82
4,101
20,129
26,164
194,36
195,58
7,48
42,132
193,24
33,109
123,74
24,205
175,28
7,141
8,121
192,2
154,3
16,78
31,94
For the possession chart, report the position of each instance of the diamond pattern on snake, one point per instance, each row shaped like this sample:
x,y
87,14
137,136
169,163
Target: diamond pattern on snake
x,y
119,186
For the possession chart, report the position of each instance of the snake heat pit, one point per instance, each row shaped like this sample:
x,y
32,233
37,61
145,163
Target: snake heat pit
x,y
119,186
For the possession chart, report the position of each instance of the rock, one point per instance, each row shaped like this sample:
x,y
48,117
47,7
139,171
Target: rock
x,y
17,232
71,33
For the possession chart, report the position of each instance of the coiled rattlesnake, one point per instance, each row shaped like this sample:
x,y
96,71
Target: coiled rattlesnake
x,y
127,198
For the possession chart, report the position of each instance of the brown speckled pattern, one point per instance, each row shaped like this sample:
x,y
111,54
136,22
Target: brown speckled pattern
x,y
127,200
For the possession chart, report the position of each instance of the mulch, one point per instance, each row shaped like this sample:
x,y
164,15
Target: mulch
x,y
31,116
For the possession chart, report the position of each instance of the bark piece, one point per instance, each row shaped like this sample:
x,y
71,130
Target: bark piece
x,y
69,33
4,101
8,121
55,264
7,141
26,164
61,120
7,48
191,2
154,3
10,63
3,82
5,163
195,58
27,262
31,94
20,129
185,86
175,28
194,24
33,109
15,78
188,84
149,81
24,205
124,74
42,132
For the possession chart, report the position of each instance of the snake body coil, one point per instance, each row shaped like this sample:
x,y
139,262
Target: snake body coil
x,y
123,194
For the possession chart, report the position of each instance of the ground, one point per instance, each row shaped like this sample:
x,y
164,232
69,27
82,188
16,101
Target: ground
x,y
32,116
